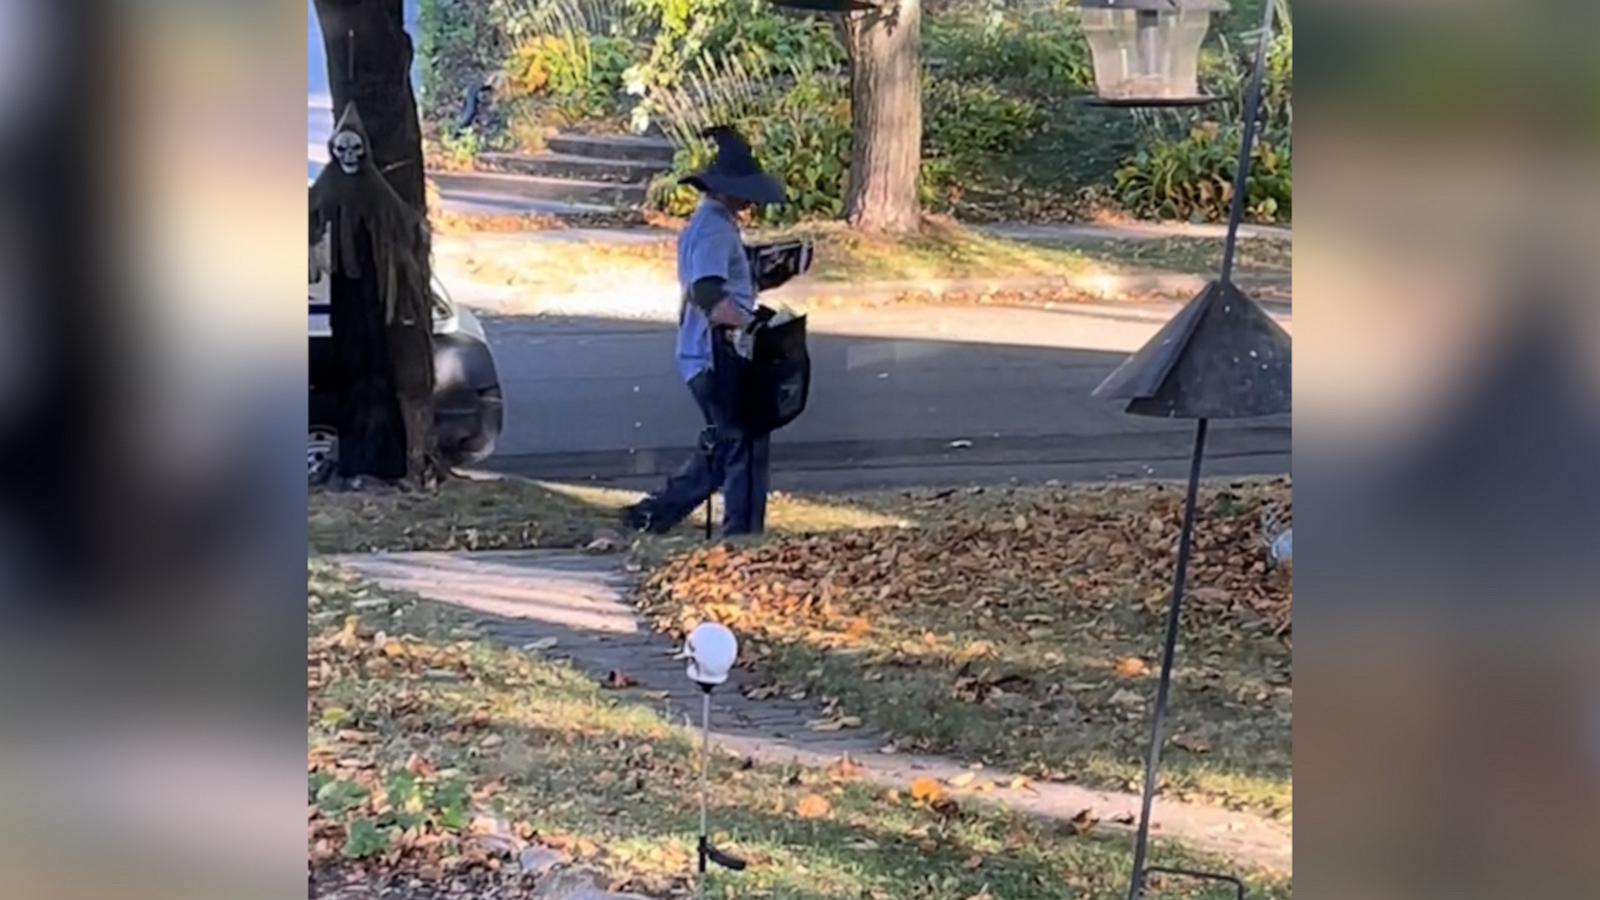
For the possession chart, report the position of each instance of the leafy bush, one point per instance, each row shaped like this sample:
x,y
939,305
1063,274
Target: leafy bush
x,y
966,125
1189,175
579,76
801,134
1192,178
966,119
1041,54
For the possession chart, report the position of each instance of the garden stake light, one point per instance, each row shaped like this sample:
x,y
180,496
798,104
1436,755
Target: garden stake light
x,y
1220,357
710,650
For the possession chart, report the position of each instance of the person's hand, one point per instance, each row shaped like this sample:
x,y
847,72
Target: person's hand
x,y
730,314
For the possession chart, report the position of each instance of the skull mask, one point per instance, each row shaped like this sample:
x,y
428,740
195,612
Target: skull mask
x,y
348,147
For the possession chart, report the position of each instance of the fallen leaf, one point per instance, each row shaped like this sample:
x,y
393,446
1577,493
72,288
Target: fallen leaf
x,y
926,790
1083,822
1132,667
838,724
1191,743
962,780
1127,698
1021,783
844,769
813,806
617,680
973,863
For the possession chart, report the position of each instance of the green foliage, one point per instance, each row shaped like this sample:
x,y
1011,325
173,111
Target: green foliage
x,y
963,120
336,798
579,76
366,839
461,145
966,125
1039,54
1192,178
1189,174
801,134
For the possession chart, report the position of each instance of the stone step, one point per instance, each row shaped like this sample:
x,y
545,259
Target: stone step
x,y
506,190
605,146
582,168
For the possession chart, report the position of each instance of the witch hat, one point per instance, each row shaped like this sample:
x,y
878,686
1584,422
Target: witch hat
x,y
1220,357
735,171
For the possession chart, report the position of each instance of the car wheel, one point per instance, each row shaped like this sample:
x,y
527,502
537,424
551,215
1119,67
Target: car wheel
x,y
322,453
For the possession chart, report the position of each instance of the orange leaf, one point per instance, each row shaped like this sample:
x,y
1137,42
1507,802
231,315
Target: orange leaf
x,y
926,790
1132,667
812,806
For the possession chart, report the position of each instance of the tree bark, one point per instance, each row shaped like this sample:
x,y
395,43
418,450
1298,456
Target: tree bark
x,y
369,63
885,48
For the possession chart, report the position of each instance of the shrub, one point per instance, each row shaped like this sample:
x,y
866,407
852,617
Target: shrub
x,y
1189,174
1040,54
966,119
801,134
1191,178
966,125
579,76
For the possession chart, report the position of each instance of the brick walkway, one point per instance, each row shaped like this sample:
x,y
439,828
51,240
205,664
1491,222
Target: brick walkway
x,y
582,602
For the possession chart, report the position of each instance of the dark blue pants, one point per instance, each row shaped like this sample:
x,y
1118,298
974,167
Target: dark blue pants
x,y
726,457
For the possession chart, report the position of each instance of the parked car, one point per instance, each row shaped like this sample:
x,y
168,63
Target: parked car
x,y
468,409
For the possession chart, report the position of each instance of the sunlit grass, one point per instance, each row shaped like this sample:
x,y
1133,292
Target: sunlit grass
x,y
488,512
605,774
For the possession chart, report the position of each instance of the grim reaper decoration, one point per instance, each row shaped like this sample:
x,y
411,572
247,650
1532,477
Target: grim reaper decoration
x,y
376,254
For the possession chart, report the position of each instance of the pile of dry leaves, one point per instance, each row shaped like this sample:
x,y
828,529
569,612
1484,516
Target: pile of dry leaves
x,y
1041,560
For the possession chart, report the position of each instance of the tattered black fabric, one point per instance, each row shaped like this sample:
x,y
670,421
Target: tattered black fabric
x,y
377,250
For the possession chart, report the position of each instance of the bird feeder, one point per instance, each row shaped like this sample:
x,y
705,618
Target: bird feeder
x,y
1222,356
1147,52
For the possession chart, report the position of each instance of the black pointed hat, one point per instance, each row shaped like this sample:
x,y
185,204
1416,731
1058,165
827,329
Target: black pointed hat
x,y
1220,357
735,171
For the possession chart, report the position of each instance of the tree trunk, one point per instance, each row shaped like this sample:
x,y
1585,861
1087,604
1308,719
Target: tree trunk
x,y
886,117
369,62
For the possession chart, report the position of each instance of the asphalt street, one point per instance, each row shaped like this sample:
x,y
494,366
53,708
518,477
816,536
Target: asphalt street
x,y
900,396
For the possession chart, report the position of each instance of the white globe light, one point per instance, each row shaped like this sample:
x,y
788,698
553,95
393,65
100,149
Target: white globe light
x,y
710,650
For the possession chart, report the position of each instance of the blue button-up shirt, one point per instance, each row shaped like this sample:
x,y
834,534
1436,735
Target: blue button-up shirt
x,y
709,247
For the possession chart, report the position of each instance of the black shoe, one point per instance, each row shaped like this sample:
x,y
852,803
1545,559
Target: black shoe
x,y
642,516
637,517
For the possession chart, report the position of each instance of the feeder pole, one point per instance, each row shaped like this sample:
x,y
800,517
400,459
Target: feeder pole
x,y
1186,537
1247,143
1174,614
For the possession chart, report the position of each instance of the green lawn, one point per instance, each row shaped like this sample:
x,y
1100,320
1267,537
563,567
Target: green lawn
x,y
483,513
421,737
947,618
1023,628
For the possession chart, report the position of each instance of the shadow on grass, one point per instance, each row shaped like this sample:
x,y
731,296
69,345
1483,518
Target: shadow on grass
x,y
485,512
1030,648
579,763
613,773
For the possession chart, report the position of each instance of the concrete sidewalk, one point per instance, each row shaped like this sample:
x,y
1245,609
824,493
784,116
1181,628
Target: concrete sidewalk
x,y
582,603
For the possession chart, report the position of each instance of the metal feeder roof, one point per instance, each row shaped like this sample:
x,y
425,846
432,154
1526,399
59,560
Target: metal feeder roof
x,y
1221,357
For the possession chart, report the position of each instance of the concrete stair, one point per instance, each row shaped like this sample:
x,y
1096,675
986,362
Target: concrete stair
x,y
491,186
618,147
577,174
568,166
